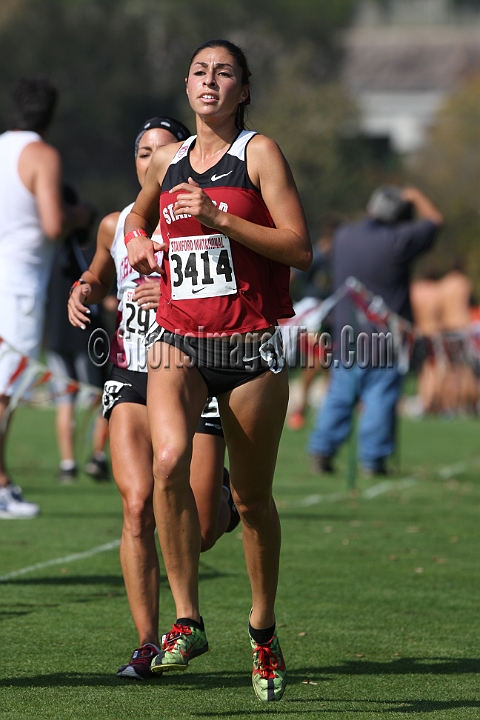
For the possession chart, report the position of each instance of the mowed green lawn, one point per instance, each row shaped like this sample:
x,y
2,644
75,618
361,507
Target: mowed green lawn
x,y
378,603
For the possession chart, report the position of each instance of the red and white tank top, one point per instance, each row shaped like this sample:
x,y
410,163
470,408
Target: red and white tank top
x,y
214,284
133,322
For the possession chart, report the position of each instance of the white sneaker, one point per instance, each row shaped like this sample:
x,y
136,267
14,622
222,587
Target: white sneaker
x,y
13,506
16,491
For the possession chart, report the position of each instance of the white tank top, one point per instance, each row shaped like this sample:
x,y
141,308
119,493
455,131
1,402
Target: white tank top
x,y
133,322
25,252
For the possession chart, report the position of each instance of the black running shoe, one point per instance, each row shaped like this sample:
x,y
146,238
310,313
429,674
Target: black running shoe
x,y
323,464
234,516
98,469
67,477
139,666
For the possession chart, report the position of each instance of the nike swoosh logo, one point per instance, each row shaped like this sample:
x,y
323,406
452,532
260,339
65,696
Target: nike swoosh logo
x,y
217,177
194,292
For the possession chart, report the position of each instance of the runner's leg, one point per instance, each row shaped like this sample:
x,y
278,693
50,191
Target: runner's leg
x,y
132,469
252,417
206,477
176,395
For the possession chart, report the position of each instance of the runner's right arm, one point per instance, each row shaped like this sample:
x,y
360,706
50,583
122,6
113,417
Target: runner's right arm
x,y
145,214
99,278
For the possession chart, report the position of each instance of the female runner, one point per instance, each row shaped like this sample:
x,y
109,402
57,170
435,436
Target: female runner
x,y
124,403
232,224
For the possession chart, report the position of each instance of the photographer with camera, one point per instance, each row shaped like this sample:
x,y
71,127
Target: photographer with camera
x,y
379,251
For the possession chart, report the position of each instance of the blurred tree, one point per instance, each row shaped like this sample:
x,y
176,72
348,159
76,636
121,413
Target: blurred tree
x,y
80,45
118,62
449,168
316,128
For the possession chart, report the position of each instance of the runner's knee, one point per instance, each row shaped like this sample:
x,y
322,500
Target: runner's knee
x,y
209,538
138,515
170,463
255,508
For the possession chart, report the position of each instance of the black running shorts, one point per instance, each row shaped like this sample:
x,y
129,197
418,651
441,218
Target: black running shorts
x,y
224,364
130,386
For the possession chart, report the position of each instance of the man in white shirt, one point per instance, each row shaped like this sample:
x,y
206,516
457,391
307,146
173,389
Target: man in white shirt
x,y
32,217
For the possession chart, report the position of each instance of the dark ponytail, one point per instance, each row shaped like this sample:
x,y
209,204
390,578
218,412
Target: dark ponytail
x,y
239,56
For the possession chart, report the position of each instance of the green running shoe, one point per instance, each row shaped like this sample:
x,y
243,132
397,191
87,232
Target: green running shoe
x,y
181,644
269,675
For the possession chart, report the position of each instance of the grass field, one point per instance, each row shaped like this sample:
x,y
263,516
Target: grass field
x,y
378,604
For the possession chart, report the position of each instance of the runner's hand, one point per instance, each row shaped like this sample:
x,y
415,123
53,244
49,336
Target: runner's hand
x,y
77,311
141,255
192,200
147,294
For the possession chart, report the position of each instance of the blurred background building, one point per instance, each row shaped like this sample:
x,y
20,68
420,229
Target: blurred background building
x,y
403,59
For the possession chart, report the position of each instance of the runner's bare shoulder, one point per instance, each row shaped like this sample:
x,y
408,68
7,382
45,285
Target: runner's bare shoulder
x,y
162,158
265,160
106,229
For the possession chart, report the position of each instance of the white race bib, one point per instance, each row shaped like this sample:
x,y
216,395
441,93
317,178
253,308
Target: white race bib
x,y
136,320
201,266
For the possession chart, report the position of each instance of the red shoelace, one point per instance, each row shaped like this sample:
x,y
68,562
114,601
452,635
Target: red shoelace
x,y
174,634
267,662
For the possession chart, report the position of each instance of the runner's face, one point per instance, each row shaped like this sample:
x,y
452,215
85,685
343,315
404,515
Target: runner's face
x,y
149,143
214,84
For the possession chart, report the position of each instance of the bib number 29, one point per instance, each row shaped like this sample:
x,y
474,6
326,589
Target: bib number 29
x,y
136,320
201,267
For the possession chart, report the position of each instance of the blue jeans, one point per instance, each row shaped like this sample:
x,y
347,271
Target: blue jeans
x,y
379,390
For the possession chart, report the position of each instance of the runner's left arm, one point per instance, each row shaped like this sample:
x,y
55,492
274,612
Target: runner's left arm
x,y
288,242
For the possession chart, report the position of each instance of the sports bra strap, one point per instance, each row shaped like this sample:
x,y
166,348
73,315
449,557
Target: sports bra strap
x,y
238,147
182,150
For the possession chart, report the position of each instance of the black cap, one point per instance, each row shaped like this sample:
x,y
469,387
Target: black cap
x,y
178,129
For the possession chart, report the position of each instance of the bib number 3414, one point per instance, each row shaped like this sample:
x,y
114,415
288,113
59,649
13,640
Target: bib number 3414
x,y
201,266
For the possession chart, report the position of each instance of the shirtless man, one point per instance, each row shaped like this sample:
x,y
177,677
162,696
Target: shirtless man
x,y
455,293
31,216
446,383
460,391
427,314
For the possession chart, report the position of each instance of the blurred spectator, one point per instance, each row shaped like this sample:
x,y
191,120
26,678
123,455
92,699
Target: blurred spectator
x,y
378,251
426,301
456,292
67,351
31,215
461,387
315,283
447,384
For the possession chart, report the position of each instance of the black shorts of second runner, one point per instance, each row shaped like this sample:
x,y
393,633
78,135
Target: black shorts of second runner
x,y
130,386
210,422
224,364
